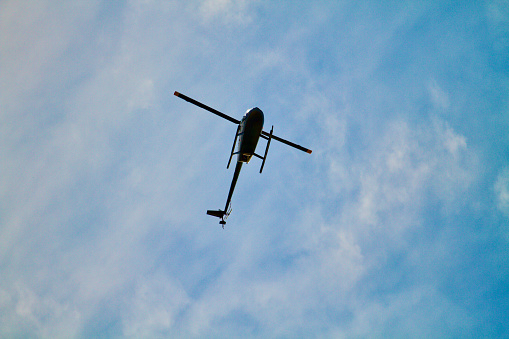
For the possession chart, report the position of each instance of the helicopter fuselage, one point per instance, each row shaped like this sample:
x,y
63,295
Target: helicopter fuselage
x,y
251,127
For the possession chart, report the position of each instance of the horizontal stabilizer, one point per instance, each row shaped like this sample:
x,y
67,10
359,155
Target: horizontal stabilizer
x,y
218,213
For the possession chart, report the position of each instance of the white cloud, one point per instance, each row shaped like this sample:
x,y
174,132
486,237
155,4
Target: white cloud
x,y
226,11
454,143
107,179
421,311
502,191
42,316
401,168
154,307
497,13
438,96
35,35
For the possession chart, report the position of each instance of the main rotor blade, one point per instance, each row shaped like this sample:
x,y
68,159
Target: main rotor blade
x,y
289,143
205,107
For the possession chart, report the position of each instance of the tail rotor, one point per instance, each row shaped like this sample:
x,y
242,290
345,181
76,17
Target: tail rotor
x,y
220,214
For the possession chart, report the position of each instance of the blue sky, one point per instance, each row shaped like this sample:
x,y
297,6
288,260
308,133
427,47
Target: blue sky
x,y
396,226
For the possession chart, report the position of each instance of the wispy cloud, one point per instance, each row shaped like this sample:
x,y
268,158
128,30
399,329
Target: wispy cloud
x,y
387,229
502,191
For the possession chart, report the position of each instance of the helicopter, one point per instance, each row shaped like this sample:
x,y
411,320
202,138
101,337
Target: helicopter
x,y
249,131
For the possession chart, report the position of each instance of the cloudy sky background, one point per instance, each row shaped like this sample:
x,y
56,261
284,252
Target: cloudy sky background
x,y
396,225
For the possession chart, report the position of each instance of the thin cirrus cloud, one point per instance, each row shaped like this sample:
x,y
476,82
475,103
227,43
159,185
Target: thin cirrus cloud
x,y
392,227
